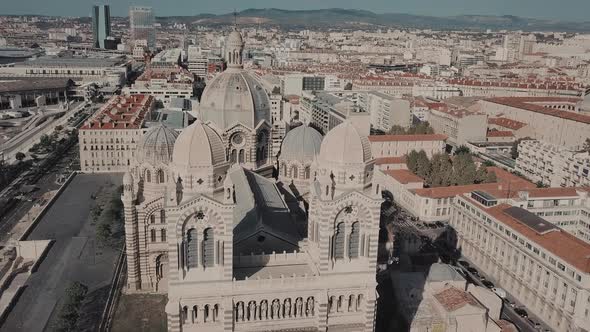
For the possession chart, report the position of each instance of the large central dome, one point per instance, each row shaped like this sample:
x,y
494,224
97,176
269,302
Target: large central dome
x,y
232,97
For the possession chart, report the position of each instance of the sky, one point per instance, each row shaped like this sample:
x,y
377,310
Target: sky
x,y
569,10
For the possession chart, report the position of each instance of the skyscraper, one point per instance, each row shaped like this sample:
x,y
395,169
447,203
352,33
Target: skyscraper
x,y
141,22
101,25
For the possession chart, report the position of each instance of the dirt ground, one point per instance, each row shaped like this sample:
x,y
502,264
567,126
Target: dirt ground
x,y
140,312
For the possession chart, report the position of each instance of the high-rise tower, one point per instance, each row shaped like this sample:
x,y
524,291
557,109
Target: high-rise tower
x,y
141,23
101,25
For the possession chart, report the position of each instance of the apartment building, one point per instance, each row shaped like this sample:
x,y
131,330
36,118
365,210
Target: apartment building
x,y
568,208
109,139
551,119
543,266
386,110
164,84
461,126
553,165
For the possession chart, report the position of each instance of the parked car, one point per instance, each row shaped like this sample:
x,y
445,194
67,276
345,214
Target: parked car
x,y
500,292
521,312
488,284
463,263
473,271
509,303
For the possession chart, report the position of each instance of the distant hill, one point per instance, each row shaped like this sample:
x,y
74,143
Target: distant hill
x,y
352,18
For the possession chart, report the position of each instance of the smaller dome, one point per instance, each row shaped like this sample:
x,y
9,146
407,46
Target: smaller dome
x,y
235,38
302,143
198,146
344,145
156,145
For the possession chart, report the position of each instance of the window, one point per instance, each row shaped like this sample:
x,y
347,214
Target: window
x,y
162,216
148,176
191,248
160,176
208,248
152,219
353,242
153,235
338,242
163,235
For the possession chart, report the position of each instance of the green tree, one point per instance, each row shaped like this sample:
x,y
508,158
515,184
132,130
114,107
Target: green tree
x,y
45,141
540,184
423,128
440,171
464,170
481,174
397,130
20,156
412,161
422,165
462,150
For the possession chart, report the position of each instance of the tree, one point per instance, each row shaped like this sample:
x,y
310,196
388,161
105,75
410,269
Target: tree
x,y
462,150
422,128
412,161
45,141
397,130
422,165
58,128
20,156
540,184
481,174
348,86
441,170
464,170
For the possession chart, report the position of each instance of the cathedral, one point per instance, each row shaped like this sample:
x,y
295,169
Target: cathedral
x,y
238,249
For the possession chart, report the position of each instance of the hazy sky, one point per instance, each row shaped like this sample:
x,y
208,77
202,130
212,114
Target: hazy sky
x,y
574,10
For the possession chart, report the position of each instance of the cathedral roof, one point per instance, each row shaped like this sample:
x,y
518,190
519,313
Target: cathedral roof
x,y
302,143
344,145
235,96
156,145
198,146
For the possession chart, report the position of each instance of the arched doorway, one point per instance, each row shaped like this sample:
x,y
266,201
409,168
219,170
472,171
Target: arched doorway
x,y
161,265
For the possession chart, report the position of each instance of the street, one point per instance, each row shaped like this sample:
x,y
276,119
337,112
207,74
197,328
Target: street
x,y
429,235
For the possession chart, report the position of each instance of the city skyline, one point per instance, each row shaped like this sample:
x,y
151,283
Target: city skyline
x,y
572,10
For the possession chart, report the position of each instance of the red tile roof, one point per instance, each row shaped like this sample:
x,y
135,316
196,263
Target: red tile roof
x,y
390,160
121,112
403,176
408,138
552,192
526,103
506,123
452,299
500,133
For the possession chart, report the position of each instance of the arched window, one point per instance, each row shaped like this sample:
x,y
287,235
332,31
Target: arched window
x,y
233,157
351,303
163,235
162,216
191,248
284,169
148,176
195,313
242,156
153,235
294,172
208,248
206,313
184,314
307,172
160,176
353,241
338,242
215,312
152,218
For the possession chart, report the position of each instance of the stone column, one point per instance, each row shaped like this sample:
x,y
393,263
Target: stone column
x,y
131,246
321,311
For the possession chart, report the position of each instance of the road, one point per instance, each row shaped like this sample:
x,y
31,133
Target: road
x,y
74,256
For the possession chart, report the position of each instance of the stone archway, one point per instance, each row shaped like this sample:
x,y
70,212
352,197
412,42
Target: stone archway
x,y
161,269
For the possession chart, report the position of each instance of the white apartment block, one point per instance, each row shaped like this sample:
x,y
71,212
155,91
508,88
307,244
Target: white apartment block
x,y
553,165
461,126
198,62
568,208
108,140
386,110
544,267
